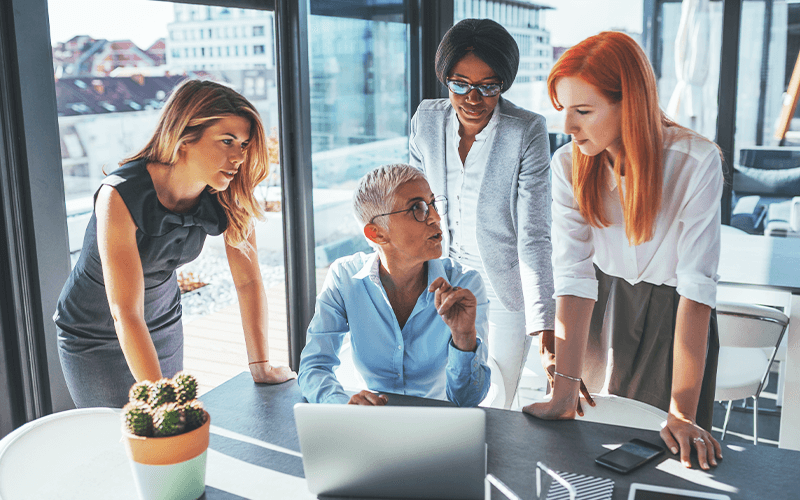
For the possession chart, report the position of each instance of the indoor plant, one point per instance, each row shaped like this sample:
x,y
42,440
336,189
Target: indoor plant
x,y
166,433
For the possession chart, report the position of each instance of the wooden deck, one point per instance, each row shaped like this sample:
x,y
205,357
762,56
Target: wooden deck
x,y
214,349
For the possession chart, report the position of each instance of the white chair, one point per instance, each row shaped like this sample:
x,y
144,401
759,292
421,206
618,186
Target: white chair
x,y
744,331
75,454
351,380
624,412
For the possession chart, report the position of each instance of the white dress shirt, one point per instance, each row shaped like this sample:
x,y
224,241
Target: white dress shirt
x,y
463,187
684,250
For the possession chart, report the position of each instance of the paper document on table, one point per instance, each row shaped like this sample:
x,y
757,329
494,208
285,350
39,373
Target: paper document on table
x,y
596,488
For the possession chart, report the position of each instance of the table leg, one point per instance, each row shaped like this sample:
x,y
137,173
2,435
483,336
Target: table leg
x,y
790,413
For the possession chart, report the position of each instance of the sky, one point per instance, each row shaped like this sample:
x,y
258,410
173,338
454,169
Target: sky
x,y
573,20
145,21
141,21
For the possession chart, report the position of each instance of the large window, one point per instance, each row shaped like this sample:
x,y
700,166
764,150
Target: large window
x,y
766,173
112,80
359,116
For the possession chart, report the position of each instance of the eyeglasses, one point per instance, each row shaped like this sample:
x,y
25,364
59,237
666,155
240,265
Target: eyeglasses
x,y
420,209
543,484
463,88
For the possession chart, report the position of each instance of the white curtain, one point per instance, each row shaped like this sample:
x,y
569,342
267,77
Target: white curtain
x,y
691,65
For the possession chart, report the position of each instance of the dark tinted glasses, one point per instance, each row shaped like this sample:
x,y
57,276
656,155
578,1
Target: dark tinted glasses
x,y
464,88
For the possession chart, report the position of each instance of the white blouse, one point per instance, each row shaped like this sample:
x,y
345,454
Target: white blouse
x,y
463,186
684,251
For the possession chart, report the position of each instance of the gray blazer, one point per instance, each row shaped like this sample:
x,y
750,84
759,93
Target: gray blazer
x,y
513,229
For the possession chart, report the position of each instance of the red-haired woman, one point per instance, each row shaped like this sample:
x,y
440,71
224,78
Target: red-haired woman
x,y
636,228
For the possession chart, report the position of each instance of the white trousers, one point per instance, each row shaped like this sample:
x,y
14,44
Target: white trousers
x,y
508,343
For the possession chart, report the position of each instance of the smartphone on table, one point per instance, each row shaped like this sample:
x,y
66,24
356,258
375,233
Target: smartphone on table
x,y
630,455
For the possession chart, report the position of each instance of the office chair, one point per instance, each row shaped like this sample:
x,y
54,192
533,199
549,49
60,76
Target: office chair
x,y
70,454
624,412
744,331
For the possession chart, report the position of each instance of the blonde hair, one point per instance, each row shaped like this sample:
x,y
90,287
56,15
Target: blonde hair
x,y
614,64
194,106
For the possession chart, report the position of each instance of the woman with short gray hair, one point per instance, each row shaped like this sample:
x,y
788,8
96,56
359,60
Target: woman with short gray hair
x,y
375,193
417,322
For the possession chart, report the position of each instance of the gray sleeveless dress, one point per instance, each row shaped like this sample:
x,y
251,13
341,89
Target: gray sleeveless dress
x,y
91,357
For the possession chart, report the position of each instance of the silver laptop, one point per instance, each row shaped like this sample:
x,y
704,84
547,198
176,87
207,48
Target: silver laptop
x,y
393,451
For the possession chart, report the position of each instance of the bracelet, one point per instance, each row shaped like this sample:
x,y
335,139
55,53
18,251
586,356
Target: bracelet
x,y
576,379
255,362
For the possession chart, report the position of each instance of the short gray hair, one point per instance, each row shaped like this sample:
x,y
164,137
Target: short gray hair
x,y
375,194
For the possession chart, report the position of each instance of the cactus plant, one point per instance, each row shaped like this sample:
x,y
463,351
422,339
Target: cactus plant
x,y
162,392
186,387
138,418
163,408
140,391
195,414
168,420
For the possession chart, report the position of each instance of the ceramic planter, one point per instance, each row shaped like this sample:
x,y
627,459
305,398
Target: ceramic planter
x,y
172,467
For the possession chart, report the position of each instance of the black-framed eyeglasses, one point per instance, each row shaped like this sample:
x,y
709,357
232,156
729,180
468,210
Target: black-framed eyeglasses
x,y
420,209
463,88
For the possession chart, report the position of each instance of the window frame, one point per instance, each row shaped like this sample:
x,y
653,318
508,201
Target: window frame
x,y
34,260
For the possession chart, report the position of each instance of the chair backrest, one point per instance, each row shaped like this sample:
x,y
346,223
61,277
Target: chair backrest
x,y
749,325
346,372
71,454
625,412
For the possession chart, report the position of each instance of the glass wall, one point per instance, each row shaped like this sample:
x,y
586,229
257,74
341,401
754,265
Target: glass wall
x,y
114,71
359,114
766,157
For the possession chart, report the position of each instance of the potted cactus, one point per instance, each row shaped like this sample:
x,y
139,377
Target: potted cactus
x,y
166,433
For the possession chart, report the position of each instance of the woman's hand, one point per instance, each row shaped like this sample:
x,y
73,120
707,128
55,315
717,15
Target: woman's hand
x,y
264,373
457,306
682,434
547,354
558,408
368,398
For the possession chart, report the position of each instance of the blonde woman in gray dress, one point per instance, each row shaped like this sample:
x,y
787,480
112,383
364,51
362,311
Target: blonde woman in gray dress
x,y
119,313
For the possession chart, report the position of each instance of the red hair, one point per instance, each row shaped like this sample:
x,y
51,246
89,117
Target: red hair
x,y
614,64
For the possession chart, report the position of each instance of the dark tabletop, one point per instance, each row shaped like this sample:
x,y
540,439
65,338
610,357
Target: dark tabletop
x,y
516,441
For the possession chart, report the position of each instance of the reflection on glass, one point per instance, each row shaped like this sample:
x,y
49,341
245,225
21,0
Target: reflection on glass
x,y
359,118
688,74
766,176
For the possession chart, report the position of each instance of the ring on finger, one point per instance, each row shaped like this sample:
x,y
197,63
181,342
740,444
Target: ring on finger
x,y
699,440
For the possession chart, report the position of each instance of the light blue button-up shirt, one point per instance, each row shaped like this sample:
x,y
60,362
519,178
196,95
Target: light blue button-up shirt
x,y
418,360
